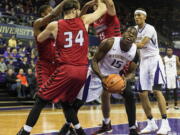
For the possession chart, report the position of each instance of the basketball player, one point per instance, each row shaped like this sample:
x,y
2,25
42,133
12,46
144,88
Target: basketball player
x,y
45,65
151,72
171,63
71,37
113,54
92,89
107,26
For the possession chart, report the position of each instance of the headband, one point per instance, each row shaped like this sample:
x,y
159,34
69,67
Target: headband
x,y
140,12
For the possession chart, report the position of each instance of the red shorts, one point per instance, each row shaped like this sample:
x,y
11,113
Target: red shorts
x,y
64,84
44,69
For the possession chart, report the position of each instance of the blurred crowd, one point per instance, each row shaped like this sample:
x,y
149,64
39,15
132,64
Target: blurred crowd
x,y
17,66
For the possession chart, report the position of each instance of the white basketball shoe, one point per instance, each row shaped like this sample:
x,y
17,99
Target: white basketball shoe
x,y
151,127
165,128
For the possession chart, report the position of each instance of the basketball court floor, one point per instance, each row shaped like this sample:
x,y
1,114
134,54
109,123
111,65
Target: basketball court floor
x,y
12,119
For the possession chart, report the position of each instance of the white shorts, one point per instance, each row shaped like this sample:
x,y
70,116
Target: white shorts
x,y
171,81
151,73
92,89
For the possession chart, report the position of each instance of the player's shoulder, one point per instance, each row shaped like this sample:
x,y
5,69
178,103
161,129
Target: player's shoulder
x,y
149,27
37,22
109,40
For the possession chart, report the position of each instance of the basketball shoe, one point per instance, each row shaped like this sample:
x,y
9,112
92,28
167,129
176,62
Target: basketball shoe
x,y
151,127
165,128
133,132
105,128
23,132
67,130
80,131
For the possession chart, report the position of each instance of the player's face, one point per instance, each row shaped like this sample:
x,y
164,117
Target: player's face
x,y
169,51
139,18
130,35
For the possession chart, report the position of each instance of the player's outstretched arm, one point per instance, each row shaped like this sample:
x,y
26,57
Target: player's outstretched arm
x,y
104,47
90,18
143,42
48,18
49,32
87,6
110,7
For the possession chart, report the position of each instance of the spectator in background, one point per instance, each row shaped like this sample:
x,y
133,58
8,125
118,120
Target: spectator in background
x,y
12,43
13,84
31,81
10,64
22,52
3,66
7,53
2,45
24,82
171,63
14,54
25,64
32,65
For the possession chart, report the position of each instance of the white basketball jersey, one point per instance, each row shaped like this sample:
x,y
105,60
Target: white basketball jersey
x,y
170,65
151,48
116,59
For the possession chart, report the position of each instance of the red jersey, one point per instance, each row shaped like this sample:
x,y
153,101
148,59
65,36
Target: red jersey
x,y
46,50
107,26
72,42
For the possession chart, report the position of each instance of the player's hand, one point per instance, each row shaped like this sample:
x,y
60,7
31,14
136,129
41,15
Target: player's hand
x,y
104,82
91,3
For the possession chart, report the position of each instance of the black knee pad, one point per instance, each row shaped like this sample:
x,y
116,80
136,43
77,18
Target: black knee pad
x,y
157,87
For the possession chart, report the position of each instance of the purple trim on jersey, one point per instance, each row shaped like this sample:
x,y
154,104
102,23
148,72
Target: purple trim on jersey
x,y
139,84
142,28
156,77
86,88
164,80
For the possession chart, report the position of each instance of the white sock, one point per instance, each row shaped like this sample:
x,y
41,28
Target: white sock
x,y
77,126
106,120
132,127
27,128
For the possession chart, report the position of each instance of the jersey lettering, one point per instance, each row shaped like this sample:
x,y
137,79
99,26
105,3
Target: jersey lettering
x,y
117,63
79,39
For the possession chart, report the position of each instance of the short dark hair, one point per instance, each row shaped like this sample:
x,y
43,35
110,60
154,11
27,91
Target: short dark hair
x,y
169,47
70,4
42,9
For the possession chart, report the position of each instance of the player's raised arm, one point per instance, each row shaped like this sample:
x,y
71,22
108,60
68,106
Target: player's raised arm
x,y
110,7
90,18
143,42
87,6
49,32
49,17
104,47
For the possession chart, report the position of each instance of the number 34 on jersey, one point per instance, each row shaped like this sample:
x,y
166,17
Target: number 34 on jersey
x,y
79,39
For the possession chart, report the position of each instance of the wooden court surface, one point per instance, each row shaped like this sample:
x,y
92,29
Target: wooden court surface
x,y
52,119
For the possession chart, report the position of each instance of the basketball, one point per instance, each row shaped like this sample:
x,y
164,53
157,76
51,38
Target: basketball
x,y
115,83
